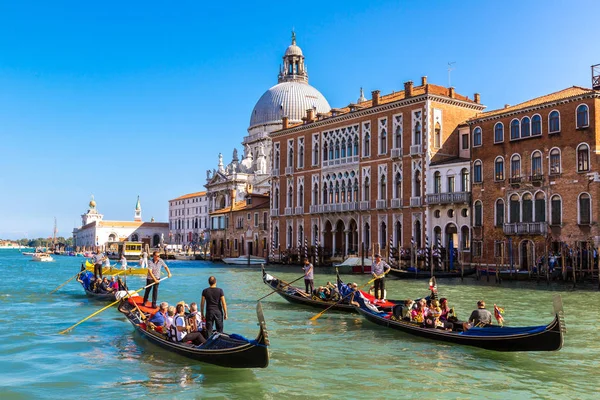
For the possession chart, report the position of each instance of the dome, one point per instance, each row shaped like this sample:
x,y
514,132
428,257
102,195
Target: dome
x,y
293,50
92,204
290,99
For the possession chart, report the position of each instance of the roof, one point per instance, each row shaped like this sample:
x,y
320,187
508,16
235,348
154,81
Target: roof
x,y
242,205
567,93
190,195
451,160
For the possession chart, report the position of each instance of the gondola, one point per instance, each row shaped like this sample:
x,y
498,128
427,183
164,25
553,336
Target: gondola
x,y
225,350
423,274
109,297
531,338
296,295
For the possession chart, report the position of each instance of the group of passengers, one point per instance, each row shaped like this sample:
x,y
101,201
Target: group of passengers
x,y
180,323
328,292
432,313
99,285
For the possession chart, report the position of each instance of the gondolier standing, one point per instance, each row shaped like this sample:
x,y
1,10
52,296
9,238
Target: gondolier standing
x,y
98,260
216,307
308,276
154,276
379,269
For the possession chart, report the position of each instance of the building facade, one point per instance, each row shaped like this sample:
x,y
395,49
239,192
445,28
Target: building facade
x,y
535,178
188,219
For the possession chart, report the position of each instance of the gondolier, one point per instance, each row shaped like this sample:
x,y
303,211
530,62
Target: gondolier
x,y
154,276
308,276
98,260
379,269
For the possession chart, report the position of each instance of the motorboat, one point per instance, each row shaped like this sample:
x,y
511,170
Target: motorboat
x,y
184,257
245,260
42,257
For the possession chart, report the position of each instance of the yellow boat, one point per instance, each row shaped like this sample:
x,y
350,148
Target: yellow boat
x,y
112,270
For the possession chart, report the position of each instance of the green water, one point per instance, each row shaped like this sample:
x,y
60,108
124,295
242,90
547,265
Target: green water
x,y
337,356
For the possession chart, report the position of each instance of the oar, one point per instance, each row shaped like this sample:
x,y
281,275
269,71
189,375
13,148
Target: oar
x,y
316,317
70,279
286,284
110,305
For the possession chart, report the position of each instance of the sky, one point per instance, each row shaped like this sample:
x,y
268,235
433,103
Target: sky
x,y
124,98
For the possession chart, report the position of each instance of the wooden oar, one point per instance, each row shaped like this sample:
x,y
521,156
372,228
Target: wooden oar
x,y
110,305
285,284
317,316
70,279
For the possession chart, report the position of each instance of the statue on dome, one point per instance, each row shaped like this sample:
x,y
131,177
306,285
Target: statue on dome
x,y
235,155
221,169
208,174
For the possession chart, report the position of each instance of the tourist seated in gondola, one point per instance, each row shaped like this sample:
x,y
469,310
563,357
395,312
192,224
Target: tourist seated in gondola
x,y
358,300
406,310
105,286
194,319
170,316
85,278
183,330
418,314
323,293
160,317
479,317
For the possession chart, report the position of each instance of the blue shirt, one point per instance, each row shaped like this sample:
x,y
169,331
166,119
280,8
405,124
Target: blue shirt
x,y
86,279
158,319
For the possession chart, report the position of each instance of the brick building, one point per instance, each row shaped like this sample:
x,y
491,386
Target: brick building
x,y
535,177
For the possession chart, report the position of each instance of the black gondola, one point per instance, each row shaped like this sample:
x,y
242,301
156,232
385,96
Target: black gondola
x,y
225,350
532,338
423,274
297,295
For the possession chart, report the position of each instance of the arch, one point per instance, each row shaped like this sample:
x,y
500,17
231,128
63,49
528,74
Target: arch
x,y
437,182
134,237
515,166
525,127
366,194
112,237
398,234
526,254
465,237
478,213
499,132
352,233
582,116
276,199
514,208
477,171
583,157
554,121
536,125
437,135
556,210
477,137
367,237
555,161
437,235
584,209
417,186
382,188
515,129
499,212
398,186
451,232
536,164
155,240
290,237
539,206
382,235
499,168
418,233
527,207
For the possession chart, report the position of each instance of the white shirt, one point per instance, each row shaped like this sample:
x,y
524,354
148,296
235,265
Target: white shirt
x,y
180,321
123,262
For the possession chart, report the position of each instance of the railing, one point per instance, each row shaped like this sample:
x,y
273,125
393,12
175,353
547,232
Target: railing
x,y
380,204
274,213
299,210
526,228
536,178
396,203
289,170
315,209
364,205
288,211
415,201
275,172
416,149
256,136
397,153
340,161
449,198
515,179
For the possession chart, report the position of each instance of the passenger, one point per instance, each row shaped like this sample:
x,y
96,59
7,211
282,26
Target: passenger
x,y
123,262
418,315
160,317
446,310
194,318
85,278
184,333
170,316
114,284
433,318
480,316
406,310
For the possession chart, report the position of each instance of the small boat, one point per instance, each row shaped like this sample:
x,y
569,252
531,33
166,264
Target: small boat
x,y
42,257
499,338
413,273
225,350
184,257
355,265
244,260
296,295
111,296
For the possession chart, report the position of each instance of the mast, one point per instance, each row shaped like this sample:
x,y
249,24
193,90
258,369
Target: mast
x,y
54,235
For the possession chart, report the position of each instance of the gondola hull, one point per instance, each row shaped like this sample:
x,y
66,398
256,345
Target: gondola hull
x,y
422,274
535,338
100,296
225,351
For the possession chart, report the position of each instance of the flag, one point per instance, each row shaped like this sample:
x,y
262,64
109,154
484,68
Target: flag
x,y
498,311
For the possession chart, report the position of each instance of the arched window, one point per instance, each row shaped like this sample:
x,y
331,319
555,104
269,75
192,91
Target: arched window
x,y
540,207
584,209
536,165
301,157
337,149
464,180
417,138
498,132
477,137
418,234
337,193
450,186
514,129
316,154
515,209
417,183
555,161
583,120
536,125
343,148
383,146
525,127
276,237
527,208
499,212
464,238
301,196
315,198
331,151
555,210
554,122
290,237
515,166
276,199
398,137
355,146
276,159
349,148
437,135
291,158
478,214
367,235
367,149
499,169
355,189
366,194
325,194
477,172
398,186
343,198
382,188
382,235
325,152
437,182
290,198
583,158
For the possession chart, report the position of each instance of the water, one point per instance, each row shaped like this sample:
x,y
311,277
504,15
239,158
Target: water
x,y
337,356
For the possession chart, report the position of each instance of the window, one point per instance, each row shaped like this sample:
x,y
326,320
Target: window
x,y
499,212
367,150
536,125
367,189
582,116
499,249
464,236
450,213
536,164
437,182
525,127
554,122
514,129
417,136
382,188
583,158
301,153
464,180
398,137
555,210
417,187
540,207
398,182
476,247
585,211
478,216
499,133
515,210
450,184
437,136
316,154
477,137
477,172
527,208
255,219
515,166
437,213
554,161
499,169
465,142
464,212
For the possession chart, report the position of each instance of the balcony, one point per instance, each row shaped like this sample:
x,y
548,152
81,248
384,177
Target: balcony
x,y
416,150
316,209
299,210
526,228
288,211
289,170
396,203
275,172
275,213
536,178
340,161
364,205
515,180
415,202
397,153
449,198
380,204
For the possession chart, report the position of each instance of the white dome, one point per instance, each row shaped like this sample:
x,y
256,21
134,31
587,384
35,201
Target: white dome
x,y
293,50
290,99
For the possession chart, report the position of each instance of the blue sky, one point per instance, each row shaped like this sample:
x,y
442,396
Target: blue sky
x,y
120,99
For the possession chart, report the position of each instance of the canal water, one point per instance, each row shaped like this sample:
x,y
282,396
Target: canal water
x,y
337,356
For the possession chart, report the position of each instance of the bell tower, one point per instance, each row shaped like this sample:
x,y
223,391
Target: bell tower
x,y
138,210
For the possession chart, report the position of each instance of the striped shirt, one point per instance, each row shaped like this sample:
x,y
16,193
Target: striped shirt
x,y
155,268
378,267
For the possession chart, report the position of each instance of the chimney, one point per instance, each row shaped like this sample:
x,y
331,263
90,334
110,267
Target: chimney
x,y
423,80
284,122
477,98
375,97
408,87
506,105
233,196
309,115
451,92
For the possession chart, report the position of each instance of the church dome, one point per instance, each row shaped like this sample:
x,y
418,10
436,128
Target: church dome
x,y
293,50
290,99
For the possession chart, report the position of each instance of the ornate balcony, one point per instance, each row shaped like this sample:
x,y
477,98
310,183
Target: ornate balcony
x,y
526,228
274,213
275,172
380,204
515,180
449,198
397,153
536,178
288,211
416,150
396,203
316,209
415,202
299,210
364,205
289,170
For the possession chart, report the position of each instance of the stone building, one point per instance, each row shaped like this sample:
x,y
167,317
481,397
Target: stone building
x,y
188,219
535,177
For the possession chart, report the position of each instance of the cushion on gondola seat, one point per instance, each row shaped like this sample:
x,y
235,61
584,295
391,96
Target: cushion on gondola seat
x,y
143,326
